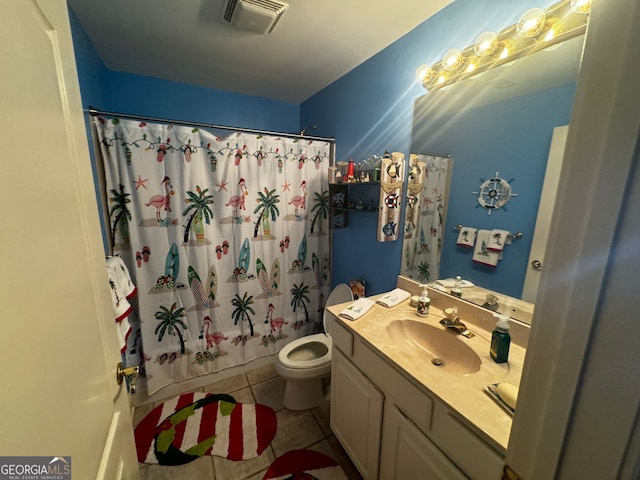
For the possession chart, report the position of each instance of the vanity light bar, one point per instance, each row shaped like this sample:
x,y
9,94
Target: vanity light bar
x,y
536,30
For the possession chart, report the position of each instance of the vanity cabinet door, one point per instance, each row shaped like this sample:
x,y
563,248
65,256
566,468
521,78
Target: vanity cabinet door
x,y
356,414
471,453
408,454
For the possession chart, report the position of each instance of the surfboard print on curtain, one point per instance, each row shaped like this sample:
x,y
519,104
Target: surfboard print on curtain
x,y
214,218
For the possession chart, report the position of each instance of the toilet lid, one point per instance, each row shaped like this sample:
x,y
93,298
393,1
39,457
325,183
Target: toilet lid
x,y
340,294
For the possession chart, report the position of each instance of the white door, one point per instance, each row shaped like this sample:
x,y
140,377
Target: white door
x,y
58,347
545,211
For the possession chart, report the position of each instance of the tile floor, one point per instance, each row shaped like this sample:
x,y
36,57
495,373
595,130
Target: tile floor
x,y
296,430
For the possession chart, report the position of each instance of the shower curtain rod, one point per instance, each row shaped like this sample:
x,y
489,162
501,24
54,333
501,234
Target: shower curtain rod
x,y
94,112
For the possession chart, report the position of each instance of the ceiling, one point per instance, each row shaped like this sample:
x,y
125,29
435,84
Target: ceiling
x,y
314,43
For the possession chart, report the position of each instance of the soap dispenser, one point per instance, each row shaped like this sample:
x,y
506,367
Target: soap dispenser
x,y
424,302
500,339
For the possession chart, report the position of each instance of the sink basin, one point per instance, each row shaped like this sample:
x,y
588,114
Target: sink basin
x,y
442,348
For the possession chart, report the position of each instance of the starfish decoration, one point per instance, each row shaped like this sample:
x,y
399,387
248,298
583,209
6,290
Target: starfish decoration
x,y
140,183
286,186
222,186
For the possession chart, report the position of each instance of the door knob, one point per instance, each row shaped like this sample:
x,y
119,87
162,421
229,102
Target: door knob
x,y
130,372
536,264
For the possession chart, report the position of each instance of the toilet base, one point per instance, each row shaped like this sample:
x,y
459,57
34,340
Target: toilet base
x,y
305,394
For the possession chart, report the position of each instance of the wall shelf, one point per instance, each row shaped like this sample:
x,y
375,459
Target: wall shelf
x,y
354,209
344,198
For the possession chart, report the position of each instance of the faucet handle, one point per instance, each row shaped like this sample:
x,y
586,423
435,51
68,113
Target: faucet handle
x,y
456,291
491,303
451,313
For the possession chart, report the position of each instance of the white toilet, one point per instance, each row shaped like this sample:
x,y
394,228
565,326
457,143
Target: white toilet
x,y
306,362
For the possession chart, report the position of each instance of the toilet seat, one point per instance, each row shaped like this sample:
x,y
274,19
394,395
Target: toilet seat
x,y
305,363
306,352
314,351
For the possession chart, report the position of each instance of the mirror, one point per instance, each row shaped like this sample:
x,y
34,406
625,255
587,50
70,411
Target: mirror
x,y
498,124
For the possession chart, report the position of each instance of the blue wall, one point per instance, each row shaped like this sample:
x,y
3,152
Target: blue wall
x,y
121,92
511,137
370,109
109,90
153,97
91,71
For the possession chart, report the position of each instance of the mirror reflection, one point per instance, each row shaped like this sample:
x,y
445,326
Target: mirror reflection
x,y
428,181
497,125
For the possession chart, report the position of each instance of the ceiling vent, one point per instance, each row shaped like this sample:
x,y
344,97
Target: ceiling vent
x,y
259,16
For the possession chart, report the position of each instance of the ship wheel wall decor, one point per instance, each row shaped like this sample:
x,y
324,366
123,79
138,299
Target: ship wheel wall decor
x,y
494,193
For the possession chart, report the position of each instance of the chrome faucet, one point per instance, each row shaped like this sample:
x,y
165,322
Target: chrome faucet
x,y
453,322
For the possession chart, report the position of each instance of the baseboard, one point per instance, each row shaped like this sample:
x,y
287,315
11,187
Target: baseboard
x,y
141,398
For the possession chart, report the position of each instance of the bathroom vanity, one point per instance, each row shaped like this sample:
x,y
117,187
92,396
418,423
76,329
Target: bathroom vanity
x,y
407,395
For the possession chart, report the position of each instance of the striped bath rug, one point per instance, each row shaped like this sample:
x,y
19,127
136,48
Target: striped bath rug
x,y
195,424
304,465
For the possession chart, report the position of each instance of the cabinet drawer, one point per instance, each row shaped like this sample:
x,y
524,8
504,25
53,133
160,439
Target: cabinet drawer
x,y
414,402
478,460
341,337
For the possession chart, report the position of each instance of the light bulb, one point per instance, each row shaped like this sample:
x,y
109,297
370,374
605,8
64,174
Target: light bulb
x,y
581,6
425,74
486,44
531,23
471,65
453,60
553,29
505,48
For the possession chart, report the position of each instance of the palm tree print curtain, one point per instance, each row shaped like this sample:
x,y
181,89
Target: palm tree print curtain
x,y
427,197
225,238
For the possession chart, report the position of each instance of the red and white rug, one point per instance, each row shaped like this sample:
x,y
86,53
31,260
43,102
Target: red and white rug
x,y
304,465
195,424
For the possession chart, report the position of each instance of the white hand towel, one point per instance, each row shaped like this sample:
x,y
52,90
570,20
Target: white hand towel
x,y
481,254
498,239
393,298
467,237
453,282
119,276
123,291
357,309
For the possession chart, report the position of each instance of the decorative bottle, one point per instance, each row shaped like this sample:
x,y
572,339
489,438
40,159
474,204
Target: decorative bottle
x,y
424,302
500,339
351,170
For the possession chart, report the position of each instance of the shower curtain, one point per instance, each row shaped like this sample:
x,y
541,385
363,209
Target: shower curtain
x,y
225,238
427,197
